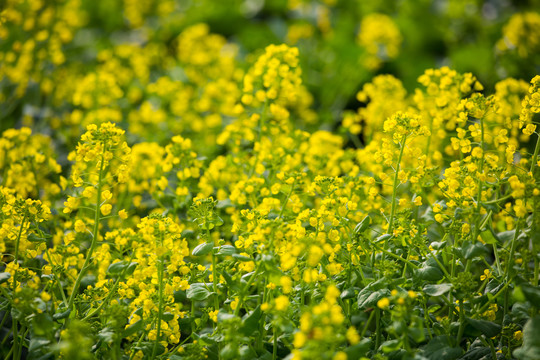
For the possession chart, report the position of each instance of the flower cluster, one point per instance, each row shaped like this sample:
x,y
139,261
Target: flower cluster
x,y
380,37
183,194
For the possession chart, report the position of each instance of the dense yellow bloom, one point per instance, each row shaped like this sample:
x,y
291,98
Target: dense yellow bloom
x,y
381,38
521,34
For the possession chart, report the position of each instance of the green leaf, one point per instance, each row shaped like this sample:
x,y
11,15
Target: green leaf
x,y
347,294
241,257
61,314
198,292
35,238
358,350
439,348
506,236
4,276
229,280
530,350
430,273
36,343
202,249
223,316
362,225
117,267
531,294
226,250
167,316
42,324
368,298
437,289
106,334
383,238
476,353
132,329
471,250
391,345
250,322
488,237
488,328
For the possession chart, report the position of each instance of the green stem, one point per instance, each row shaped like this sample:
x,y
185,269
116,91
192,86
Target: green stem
x,y
14,326
160,306
214,272
497,260
394,190
112,291
461,323
274,347
535,279
535,155
366,325
480,183
95,236
493,298
56,277
259,137
378,328
286,200
245,289
397,257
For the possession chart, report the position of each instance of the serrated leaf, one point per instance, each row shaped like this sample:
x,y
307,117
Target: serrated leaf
x,y
437,289
202,249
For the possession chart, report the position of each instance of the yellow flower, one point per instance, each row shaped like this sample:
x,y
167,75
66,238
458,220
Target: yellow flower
x,y
486,275
352,335
213,315
123,214
282,302
106,209
383,303
299,339
340,355
80,226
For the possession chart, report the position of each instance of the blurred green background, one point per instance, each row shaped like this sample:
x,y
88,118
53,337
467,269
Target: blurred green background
x,y
494,39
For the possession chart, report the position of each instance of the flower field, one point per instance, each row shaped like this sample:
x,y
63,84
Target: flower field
x,y
282,179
